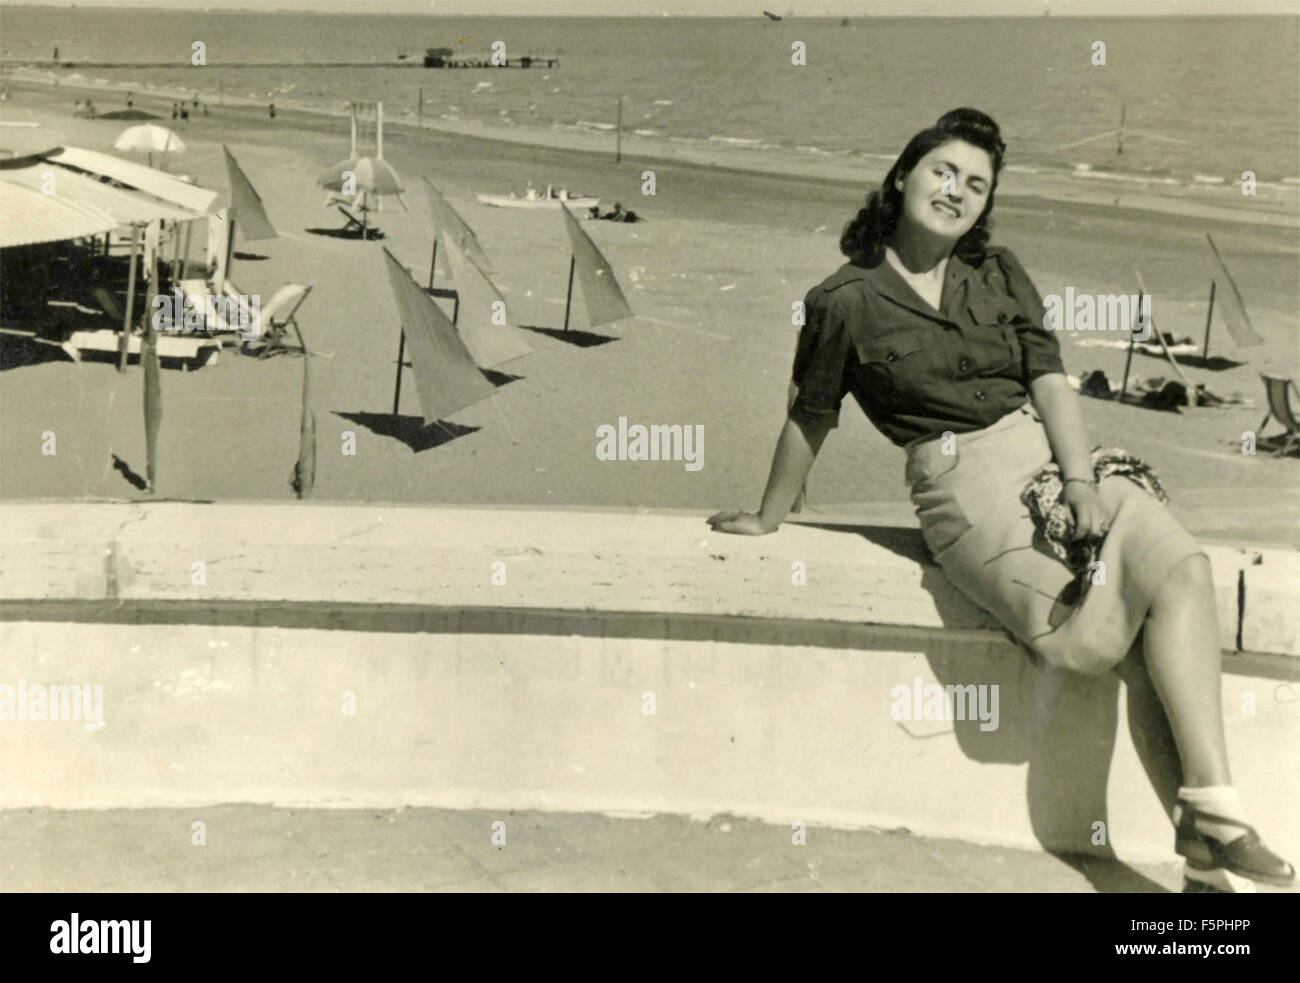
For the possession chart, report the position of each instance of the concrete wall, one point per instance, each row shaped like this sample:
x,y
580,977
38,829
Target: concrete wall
x,y
771,699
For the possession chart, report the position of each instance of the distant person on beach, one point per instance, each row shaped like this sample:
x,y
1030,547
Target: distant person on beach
x,y
185,114
271,109
90,108
130,103
176,110
939,337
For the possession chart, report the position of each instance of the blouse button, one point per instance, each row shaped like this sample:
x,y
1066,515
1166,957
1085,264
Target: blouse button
x,y
892,357
981,395
965,365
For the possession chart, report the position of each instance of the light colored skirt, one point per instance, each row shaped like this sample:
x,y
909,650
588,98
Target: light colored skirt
x,y
982,536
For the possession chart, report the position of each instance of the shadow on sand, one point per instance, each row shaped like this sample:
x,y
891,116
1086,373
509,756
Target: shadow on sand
x,y
124,469
410,430
574,336
372,235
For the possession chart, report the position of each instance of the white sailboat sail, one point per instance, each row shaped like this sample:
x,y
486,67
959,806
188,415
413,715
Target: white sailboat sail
x,y
246,203
446,377
605,300
481,315
448,221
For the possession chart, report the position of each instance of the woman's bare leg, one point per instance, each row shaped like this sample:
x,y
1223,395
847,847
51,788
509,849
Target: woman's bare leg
x,y
1149,727
1181,648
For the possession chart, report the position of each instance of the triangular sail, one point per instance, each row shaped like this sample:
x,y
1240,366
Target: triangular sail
x,y
1231,306
445,375
448,221
250,215
605,301
484,327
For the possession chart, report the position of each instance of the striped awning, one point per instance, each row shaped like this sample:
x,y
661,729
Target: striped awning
x,y
28,217
158,184
126,205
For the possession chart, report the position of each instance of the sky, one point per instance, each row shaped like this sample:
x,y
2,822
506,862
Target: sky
x,y
722,8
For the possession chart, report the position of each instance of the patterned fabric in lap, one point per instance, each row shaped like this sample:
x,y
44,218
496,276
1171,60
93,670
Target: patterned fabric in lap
x,y
1054,519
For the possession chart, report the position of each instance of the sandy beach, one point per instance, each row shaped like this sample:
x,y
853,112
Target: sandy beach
x,y
711,343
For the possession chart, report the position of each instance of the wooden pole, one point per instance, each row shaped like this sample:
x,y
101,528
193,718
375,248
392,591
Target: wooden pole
x,y
185,253
176,251
1132,341
1209,315
1123,107
401,356
230,245
568,298
304,471
618,147
124,346
152,393
353,107
379,130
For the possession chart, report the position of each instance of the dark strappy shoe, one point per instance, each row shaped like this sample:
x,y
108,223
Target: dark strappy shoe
x,y
1245,856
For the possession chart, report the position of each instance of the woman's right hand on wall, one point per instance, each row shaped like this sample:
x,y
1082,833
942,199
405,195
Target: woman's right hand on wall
x,y
740,523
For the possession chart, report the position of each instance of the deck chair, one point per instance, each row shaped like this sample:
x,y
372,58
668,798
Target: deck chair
x,y
1277,390
273,318
354,223
199,289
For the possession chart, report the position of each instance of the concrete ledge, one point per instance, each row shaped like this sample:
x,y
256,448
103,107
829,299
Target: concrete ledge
x,y
562,560
771,699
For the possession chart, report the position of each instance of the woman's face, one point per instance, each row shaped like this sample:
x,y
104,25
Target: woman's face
x,y
947,190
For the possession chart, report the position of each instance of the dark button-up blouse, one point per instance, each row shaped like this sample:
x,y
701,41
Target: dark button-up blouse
x,y
917,372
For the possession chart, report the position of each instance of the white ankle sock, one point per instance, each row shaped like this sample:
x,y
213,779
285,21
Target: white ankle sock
x,y
1218,800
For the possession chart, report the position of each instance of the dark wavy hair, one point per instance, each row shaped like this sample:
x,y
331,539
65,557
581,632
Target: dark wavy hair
x,y
866,234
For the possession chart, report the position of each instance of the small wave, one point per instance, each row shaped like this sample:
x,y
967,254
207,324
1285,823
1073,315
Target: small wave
x,y
587,124
736,141
663,102
1291,180
646,133
1207,179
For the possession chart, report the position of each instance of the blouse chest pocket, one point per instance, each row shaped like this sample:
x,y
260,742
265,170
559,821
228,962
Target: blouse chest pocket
x,y
896,364
994,343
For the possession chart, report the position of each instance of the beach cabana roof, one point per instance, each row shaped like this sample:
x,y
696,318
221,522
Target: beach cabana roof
x,y
126,206
146,179
129,192
28,217
189,200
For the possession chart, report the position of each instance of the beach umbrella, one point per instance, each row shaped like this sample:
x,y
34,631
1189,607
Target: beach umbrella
x,y
373,175
364,177
149,138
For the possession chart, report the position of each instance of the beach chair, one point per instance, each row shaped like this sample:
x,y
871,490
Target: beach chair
x,y
273,318
213,323
1277,390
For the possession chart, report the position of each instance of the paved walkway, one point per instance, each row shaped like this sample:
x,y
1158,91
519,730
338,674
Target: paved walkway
x,y
260,848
